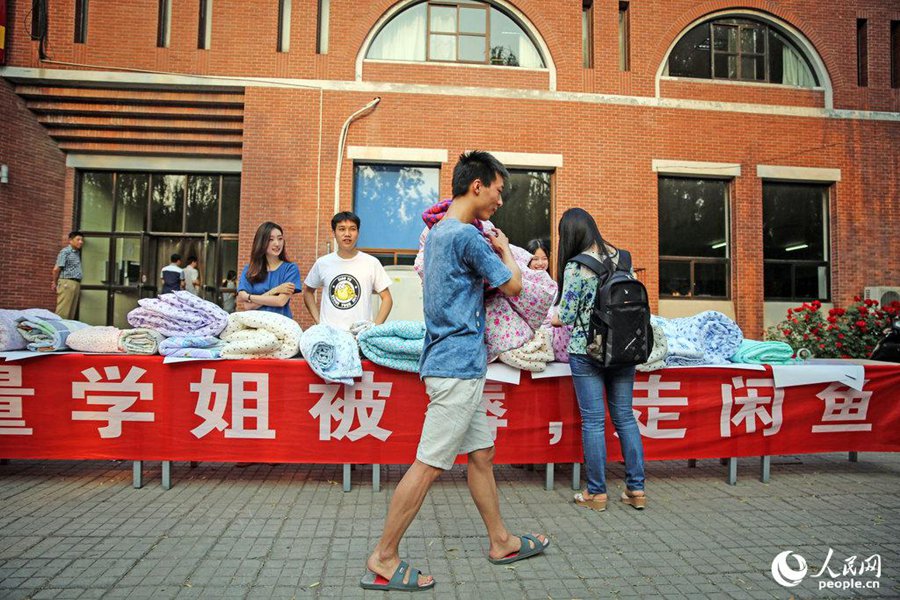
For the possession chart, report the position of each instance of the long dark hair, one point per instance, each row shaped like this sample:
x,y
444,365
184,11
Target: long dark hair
x,y
259,267
577,232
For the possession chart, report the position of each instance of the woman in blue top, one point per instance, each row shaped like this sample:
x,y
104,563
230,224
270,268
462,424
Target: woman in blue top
x,y
270,280
578,233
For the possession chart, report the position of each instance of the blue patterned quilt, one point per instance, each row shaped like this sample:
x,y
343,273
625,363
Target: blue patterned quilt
x,y
396,344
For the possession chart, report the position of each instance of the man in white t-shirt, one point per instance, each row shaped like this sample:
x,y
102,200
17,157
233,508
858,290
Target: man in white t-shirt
x,y
347,278
192,276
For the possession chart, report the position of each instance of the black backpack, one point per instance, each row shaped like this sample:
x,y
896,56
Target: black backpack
x,y
619,332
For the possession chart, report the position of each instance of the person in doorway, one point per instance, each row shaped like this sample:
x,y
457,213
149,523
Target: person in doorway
x,y
67,276
229,298
540,250
192,276
458,262
348,278
578,233
270,280
172,275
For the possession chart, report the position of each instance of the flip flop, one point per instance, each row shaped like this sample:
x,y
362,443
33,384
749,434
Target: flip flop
x,y
374,581
526,551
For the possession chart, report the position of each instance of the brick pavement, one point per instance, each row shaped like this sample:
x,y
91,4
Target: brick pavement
x,y
79,530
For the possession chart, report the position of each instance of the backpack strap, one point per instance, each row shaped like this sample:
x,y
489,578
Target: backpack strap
x,y
624,261
601,269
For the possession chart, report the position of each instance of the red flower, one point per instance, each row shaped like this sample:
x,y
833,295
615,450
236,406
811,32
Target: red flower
x,y
786,331
816,304
857,299
790,311
832,319
840,336
822,346
863,310
861,324
805,336
838,345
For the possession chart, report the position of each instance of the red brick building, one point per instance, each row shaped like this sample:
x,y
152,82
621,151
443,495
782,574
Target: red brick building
x,y
747,153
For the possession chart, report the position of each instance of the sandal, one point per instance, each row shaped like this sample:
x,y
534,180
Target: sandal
x,y
595,503
636,499
531,546
374,581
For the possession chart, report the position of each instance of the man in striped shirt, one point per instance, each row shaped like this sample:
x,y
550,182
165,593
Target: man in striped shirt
x,y
67,276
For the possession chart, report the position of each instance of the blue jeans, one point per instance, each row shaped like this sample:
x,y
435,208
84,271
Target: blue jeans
x,y
590,380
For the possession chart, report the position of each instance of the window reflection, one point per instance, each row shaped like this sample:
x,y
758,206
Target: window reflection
x,y
389,200
525,214
167,203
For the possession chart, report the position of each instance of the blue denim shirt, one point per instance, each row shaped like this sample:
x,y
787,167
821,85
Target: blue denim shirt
x,y
458,260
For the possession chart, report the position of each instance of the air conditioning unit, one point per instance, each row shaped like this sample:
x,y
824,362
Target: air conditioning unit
x,y
885,294
406,291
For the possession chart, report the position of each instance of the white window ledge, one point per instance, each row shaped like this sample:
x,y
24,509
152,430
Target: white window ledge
x,y
798,173
400,155
517,160
689,167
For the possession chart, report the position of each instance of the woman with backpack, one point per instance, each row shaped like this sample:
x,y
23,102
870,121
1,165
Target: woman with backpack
x,y
579,236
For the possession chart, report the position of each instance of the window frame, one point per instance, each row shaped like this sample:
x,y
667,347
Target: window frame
x,y
457,33
794,263
741,22
81,22
485,5
693,261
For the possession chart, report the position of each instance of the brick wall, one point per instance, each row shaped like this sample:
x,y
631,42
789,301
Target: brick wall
x,y
31,207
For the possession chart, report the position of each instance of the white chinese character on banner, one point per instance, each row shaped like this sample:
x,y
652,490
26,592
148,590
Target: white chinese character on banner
x,y
492,399
556,432
761,401
362,402
11,396
844,409
118,393
212,401
653,400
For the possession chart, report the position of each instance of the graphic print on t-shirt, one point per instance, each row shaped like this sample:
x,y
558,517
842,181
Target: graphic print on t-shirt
x,y
344,291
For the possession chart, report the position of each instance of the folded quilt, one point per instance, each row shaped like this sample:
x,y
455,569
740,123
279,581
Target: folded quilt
x,y
192,346
95,339
708,338
504,329
396,344
561,337
10,338
534,355
178,314
763,353
259,334
331,353
140,341
657,358
47,335
538,291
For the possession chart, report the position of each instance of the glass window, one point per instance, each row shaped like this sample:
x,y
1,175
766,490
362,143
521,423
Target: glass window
x,y
124,301
693,237
403,38
795,241
167,203
92,306
741,49
203,204
96,201
389,200
128,261
525,214
94,260
229,260
231,203
455,31
132,191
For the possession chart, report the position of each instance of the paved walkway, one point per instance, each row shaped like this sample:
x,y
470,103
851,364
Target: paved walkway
x,y
79,530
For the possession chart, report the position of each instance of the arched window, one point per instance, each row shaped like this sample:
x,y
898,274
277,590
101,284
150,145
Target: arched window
x,y
741,49
462,31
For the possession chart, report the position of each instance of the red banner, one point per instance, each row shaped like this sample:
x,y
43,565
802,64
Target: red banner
x,y
74,406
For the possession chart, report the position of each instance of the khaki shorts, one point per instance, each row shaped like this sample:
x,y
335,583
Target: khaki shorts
x,y
455,423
